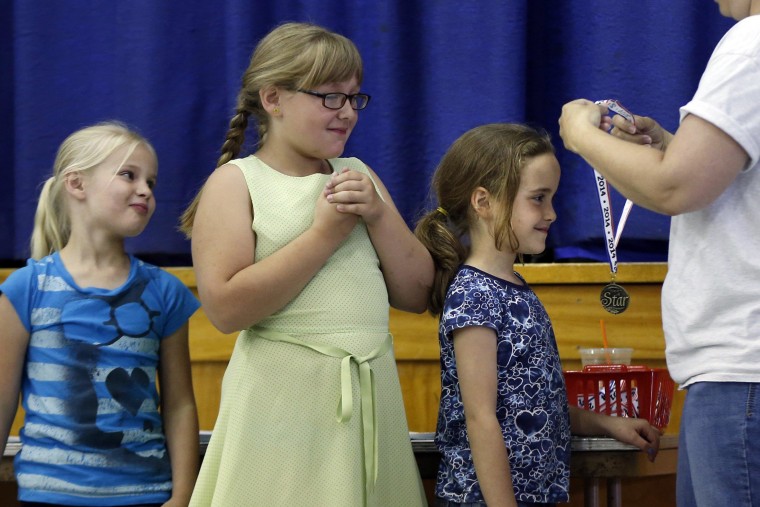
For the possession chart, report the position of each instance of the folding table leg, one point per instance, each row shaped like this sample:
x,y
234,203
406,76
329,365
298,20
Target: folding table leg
x,y
591,492
614,492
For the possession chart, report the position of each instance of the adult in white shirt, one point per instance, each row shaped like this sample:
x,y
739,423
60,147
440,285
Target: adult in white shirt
x,y
706,176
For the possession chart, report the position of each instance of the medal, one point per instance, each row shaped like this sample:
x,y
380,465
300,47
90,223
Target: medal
x,y
614,298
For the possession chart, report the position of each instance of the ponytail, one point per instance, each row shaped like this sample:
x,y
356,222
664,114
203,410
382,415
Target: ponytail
x,y
435,232
51,226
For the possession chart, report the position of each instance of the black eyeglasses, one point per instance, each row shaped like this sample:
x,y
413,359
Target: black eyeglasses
x,y
337,100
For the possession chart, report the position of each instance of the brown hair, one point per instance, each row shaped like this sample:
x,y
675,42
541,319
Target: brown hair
x,y
489,156
292,56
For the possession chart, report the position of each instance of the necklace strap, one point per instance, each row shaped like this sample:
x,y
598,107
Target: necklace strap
x,y
611,237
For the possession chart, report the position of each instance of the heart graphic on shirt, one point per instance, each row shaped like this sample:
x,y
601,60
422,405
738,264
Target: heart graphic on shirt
x,y
532,390
530,423
129,390
505,350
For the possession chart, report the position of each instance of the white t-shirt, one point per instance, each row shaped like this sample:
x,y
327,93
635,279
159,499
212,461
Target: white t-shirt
x,y
711,295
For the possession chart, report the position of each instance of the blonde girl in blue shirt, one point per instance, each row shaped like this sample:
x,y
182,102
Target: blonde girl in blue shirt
x,y
88,331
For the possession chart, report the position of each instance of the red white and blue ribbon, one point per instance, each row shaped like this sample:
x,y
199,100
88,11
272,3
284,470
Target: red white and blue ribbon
x,y
611,237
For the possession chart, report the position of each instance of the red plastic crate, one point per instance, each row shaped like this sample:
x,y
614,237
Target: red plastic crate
x,y
620,390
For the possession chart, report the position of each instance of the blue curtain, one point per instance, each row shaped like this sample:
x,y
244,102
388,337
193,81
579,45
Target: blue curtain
x,y
434,70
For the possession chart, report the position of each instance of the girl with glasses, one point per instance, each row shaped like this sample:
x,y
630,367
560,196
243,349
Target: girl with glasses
x,y
303,251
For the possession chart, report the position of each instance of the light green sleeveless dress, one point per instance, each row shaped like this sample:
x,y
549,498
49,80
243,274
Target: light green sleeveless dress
x,y
311,411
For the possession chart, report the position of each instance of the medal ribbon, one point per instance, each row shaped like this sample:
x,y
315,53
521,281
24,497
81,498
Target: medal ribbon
x,y
612,238
604,201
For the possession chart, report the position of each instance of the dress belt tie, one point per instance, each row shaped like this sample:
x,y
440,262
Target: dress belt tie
x,y
345,404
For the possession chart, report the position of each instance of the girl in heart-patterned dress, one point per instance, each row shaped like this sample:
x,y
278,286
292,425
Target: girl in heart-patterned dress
x,y
504,423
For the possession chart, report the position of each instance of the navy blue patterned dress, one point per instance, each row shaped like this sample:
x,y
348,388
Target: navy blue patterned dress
x,y
531,402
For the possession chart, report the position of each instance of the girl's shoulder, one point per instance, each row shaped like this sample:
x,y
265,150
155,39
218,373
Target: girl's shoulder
x,y
33,269
161,276
468,277
167,291
472,299
348,163
476,287
26,285
250,161
473,285
473,276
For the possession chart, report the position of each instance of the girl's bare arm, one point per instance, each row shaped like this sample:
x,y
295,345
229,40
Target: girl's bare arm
x,y
475,350
179,413
15,340
236,292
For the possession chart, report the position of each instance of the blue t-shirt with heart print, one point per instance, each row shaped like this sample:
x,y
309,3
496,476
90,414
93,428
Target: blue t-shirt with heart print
x,y
531,403
92,433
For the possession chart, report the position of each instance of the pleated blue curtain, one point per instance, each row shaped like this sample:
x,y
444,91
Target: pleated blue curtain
x,y
434,70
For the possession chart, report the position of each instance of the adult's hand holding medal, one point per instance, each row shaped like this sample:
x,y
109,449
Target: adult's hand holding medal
x,y
614,298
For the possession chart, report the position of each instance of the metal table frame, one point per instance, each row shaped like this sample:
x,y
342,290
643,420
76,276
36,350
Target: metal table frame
x,y
593,459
